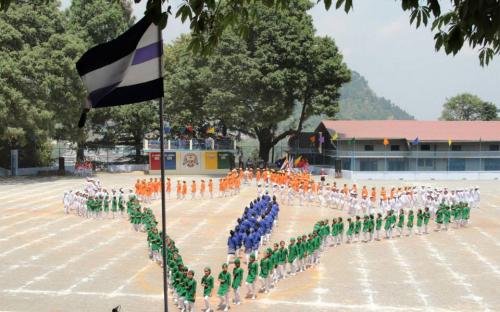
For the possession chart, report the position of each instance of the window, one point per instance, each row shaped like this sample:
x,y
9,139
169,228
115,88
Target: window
x,y
368,165
396,165
492,164
457,164
425,147
394,147
494,148
456,148
368,148
426,162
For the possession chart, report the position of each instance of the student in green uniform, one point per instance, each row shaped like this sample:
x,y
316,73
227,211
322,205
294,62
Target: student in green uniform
x,y
340,231
388,225
371,228
114,203
446,217
207,281
409,223
190,292
350,230
121,206
253,269
292,256
106,204
427,217
274,265
181,287
265,266
401,222
439,218
237,279
420,221
457,214
282,256
224,280
366,226
326,234
465,214
357,228
334,232
378,226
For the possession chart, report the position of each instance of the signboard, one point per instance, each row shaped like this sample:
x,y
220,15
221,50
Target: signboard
x,y
170,161
14,162
224,160
190,161
154,144
154,161
210,160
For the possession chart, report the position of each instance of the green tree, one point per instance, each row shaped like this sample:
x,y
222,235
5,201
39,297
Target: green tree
x,y
468,107
468,21
30,79
250,84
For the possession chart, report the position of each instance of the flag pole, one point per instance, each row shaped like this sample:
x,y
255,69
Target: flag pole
x,y
162,174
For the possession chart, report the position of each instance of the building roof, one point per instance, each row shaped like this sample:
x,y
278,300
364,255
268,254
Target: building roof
x,y
410,129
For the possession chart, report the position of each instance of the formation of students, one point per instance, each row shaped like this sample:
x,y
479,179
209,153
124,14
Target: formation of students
x,y
254,228
96,202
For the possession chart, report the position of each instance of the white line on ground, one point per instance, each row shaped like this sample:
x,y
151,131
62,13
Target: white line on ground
x,y
57,293
103,268
44,226
73,259
308,305
491,237
364,281
460,279
130,279
403,263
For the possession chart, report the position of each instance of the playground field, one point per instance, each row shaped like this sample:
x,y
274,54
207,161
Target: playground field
x,y
50,261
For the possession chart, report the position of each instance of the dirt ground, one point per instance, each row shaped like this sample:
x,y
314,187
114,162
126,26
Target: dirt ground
x,y
50,261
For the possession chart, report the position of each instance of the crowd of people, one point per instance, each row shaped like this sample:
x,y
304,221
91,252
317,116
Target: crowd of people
x,y
254,228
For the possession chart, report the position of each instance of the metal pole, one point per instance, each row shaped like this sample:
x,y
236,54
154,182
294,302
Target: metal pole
x,y
162,168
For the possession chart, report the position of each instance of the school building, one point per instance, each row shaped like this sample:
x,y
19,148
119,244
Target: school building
x,y
403,149
194,156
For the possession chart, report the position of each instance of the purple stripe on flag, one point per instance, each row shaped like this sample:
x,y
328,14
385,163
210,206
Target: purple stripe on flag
x,y
147,53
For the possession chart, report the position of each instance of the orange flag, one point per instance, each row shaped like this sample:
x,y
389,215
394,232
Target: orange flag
x,y
386,141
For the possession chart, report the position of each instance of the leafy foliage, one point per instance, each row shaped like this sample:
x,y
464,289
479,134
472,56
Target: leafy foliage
x,y
250,84
476,22
467,106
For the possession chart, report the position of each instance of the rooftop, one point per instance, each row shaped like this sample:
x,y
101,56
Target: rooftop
x,y
410,129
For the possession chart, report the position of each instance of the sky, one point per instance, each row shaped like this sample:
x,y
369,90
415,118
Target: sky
x,y
398,61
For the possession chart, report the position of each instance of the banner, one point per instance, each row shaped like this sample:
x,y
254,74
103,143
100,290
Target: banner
x,y
210,160
224,160
190,161
170,160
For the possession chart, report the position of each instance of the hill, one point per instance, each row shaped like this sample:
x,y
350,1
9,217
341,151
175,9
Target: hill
x,y
359,102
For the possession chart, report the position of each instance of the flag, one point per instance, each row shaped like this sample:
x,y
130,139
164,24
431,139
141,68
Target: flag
x,y
124,70
415,142
449,142
312,138
335,136
352,141
386,141
211,130
321,139
167,130
285,164
297,161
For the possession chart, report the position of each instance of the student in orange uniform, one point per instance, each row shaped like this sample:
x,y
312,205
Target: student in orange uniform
x,y
193,189
168,188
211,188
202,188
184,189
179,190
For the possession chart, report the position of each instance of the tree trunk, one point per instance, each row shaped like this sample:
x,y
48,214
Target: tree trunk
x,y
80,152
138,155
264,149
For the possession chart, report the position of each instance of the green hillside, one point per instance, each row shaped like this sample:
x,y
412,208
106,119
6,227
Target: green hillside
x,y
359,102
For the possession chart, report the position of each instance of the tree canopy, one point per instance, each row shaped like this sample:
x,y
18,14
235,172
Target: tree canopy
x,y
467,106
474,22
250,84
